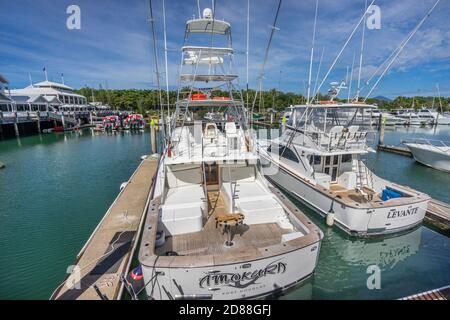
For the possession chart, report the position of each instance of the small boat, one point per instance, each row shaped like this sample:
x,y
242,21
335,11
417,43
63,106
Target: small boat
x,y
110,123
432,153
134,122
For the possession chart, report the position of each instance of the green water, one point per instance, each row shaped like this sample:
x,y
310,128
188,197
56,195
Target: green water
x,y
56,188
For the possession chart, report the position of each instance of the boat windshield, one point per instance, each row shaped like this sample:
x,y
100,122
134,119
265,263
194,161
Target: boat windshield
x,y
325,119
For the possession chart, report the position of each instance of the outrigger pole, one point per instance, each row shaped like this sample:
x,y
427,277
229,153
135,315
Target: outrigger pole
x,y
342,50
266,55
155,54
165,58
312,53
361,54
248,42
318,73
400,49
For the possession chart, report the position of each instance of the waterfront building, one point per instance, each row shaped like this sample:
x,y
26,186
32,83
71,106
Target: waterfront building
x,y
5,101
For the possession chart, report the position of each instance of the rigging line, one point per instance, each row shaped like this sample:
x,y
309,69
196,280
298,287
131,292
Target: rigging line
x,y
361,54
351,79
266,54
401,48
155,54
165,57
198,7
312,53
318,73
342,50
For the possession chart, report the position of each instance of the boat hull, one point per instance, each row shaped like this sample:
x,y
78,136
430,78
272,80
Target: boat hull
x,y
433,159
354,221
243,280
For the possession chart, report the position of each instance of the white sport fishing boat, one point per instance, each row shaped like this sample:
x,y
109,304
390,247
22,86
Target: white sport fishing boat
x,y
432,153
318,160
215,227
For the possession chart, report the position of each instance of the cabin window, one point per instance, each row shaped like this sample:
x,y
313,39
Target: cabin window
x,y
315,160
327,160
287,153
335,160
346,158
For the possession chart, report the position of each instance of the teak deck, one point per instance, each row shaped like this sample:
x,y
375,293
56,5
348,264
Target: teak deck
x,y
106,255
246,248
211,240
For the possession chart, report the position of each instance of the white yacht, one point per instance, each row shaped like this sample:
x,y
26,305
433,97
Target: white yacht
x,y
432,153
318,160
215,227
409,116
389,119
433,116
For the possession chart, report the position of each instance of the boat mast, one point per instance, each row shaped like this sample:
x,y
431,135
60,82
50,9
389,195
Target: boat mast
x,y
400,49
165,58
312,54
361,54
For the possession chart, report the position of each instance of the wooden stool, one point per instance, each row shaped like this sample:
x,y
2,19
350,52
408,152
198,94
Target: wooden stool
x,y
227,221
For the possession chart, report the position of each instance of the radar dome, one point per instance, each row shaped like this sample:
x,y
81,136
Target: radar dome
x,y
207,13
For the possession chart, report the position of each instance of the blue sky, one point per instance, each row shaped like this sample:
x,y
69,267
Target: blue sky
x,y
114,43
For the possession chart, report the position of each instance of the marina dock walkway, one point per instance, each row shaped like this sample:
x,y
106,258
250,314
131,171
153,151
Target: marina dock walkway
x,y
108,252
438,214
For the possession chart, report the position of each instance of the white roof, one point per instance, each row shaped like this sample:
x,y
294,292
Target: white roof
x,y
52,85
33,90
35,98
207,26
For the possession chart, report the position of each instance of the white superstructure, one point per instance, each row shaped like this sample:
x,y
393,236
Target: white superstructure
x,y
432,153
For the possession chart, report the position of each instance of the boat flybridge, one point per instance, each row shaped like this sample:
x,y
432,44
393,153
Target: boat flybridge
x,y
215,227
318,159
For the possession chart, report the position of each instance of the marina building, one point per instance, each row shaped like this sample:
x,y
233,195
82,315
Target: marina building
x,y
5,101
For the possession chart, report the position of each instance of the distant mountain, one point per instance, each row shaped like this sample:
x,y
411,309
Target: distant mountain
x,y
382,98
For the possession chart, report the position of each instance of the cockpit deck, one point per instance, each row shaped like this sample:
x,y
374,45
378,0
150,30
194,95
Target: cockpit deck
x,y
211,240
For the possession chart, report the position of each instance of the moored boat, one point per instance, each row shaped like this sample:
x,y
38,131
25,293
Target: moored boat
x,y
319,160
215,227
432,153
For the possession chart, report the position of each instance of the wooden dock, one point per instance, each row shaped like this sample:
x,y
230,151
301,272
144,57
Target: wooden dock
x,y
395,149
436,294
438,215
107,254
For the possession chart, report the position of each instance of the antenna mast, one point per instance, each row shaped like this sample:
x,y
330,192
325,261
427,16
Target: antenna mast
x,y
312,53
351,79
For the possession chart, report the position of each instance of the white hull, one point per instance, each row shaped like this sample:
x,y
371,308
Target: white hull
x,y
356,221
244,280
430,156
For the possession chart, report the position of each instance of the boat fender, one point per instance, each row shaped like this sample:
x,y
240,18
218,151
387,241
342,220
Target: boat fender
x,y
123,185
136,274
330,219
160,238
